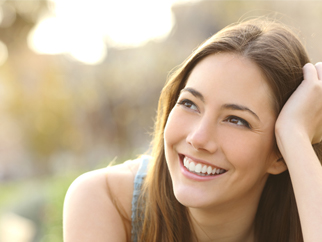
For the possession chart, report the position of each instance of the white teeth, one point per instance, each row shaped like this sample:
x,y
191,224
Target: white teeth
x,y
209,170
185,162
201,169
198,168
204,169
192,166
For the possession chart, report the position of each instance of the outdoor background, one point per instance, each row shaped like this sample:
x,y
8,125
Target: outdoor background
x,y
79,86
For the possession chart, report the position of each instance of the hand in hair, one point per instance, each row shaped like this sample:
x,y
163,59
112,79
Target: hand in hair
x,y
298,126
302,113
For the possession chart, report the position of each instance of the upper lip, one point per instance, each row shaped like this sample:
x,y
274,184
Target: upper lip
x,y
200,161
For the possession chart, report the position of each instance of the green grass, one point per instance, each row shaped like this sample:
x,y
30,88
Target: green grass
x,y
40,200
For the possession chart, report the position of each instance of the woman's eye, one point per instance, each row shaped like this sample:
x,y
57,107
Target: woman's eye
x,y
188,104
238,121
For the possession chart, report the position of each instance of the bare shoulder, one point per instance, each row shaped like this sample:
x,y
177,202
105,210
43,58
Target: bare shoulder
x,y
98,204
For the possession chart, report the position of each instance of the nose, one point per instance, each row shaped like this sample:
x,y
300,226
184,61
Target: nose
x,y
203,136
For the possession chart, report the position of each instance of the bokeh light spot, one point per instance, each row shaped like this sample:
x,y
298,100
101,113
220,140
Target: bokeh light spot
x,y
3,53
84,29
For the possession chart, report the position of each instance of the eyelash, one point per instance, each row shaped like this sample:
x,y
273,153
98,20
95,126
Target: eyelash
x,y
188,104
243,121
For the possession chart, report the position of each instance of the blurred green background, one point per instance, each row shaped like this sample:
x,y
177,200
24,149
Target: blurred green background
x,y
79,86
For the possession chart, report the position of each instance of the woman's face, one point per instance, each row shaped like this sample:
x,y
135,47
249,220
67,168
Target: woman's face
x,y
219,137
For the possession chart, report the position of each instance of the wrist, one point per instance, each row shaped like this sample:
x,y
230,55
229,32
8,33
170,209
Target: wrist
x,y
291,138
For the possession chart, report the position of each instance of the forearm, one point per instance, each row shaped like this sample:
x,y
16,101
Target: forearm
x,y
306,174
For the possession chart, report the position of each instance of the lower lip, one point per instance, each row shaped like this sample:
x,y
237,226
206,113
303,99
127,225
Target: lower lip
x,y
194,176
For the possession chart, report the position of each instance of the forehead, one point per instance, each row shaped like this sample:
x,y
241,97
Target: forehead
x,y
232,78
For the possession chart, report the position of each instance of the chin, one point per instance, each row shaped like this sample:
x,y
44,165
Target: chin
x,y
193,198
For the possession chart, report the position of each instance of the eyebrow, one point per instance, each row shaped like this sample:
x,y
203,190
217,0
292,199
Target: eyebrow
x,y
194,92
230,106
240,108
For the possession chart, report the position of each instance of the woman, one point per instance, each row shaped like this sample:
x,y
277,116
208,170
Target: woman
x,y
232,152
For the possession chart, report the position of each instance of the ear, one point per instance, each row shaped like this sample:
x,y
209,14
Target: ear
x,y
277,167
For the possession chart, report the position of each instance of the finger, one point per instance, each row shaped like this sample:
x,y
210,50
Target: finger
x,y
318,67
310,72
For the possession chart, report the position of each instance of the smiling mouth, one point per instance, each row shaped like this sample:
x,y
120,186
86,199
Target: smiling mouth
x,y
201,169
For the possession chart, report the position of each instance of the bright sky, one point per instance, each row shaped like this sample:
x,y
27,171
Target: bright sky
x,y
84,29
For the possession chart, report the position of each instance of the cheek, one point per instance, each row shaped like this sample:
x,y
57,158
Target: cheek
x,y
246,150
174,129
172,136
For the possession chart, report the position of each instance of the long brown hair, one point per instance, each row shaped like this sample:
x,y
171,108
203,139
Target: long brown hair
x,y
280,56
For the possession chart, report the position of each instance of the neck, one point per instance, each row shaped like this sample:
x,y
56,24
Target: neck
x,y
229,223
